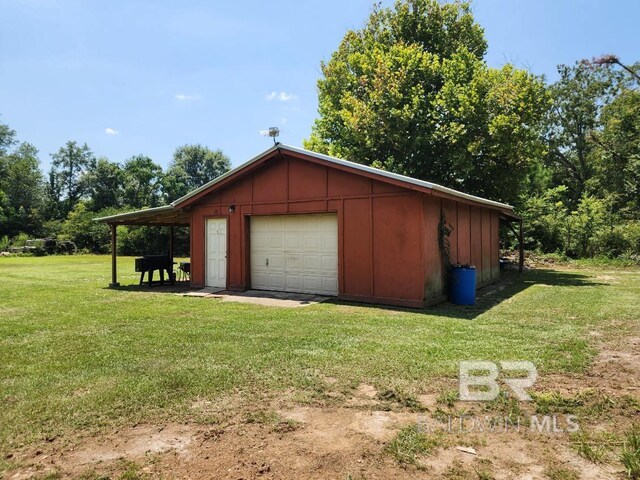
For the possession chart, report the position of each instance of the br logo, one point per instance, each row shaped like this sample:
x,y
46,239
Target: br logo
x,y
482,376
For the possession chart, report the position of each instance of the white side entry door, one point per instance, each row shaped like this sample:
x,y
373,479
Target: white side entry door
x,y
216,250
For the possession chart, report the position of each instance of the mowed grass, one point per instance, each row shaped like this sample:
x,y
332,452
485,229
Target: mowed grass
x,y
76,356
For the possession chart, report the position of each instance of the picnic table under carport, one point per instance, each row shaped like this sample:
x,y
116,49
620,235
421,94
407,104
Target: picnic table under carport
x,y
166,216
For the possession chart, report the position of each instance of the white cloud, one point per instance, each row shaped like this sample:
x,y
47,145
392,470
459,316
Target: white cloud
x,y
183,97
111,131
282,96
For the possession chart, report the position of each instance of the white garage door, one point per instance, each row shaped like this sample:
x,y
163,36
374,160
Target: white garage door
x,y
295,253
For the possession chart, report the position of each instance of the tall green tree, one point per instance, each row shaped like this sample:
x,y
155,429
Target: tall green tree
x,y
104,184
22,186
578,98
7,138
68,167
617,148
142,182
192,167
411,93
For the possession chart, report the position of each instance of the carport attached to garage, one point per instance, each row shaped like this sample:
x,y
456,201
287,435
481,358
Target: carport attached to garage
x,y
298,221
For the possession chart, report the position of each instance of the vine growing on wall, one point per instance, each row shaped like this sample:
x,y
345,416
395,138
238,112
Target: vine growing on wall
x,y
444,232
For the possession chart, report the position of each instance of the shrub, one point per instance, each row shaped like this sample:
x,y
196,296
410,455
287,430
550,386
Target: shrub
x,y
20,240
66,247
4,244
84,232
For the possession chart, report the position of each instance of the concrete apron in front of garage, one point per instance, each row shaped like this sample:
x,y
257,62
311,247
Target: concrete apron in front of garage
x,y
261,297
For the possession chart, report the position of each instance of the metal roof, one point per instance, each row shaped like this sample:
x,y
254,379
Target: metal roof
x,y
167,215
173,209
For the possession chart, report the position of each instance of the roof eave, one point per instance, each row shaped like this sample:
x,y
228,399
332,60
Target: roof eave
x,y
135,214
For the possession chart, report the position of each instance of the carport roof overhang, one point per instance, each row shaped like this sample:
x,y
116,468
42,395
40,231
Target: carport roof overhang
x,y
167,216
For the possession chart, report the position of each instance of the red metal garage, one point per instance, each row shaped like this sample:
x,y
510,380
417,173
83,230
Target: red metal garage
x,y
294,220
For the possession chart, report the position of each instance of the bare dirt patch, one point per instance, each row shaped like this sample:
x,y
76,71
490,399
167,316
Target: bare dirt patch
x,y
136,442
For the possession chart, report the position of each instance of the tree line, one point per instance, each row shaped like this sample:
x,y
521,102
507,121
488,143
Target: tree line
x,y
410,92
81,186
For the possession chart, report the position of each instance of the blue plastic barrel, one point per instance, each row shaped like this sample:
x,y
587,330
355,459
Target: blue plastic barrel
x,y
463,285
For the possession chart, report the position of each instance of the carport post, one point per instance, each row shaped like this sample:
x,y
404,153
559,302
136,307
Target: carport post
x,y
114,272
521,248
171,241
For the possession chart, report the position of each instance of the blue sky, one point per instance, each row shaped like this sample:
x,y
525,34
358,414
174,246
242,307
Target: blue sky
x,y
136,76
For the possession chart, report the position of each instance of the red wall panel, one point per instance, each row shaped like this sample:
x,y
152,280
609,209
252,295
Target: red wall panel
x,y
396,247
343,184
237,193
357,251
434,287
270,182
235,251
475,217
463,234
381,187
308,207
307,180
486,245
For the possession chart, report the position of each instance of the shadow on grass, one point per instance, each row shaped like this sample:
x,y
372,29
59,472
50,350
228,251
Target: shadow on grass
x,y
178,287
510,284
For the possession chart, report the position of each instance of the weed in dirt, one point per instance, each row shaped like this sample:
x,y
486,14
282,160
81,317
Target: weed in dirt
x,y
287,425
130,471
456,471
593,448
448,398
272,419
561,474
484,475
263,417
630,456
628,404
440,415
410,443
553,403
588,404
48,476
93,475
403,399
508,406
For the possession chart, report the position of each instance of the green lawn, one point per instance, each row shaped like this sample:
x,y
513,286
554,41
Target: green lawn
x,y
76,356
